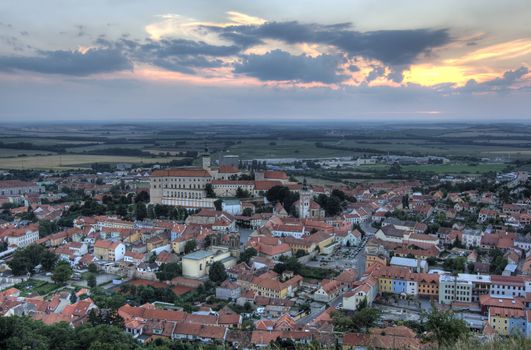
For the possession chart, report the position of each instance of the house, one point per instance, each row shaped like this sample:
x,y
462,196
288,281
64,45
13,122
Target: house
x,y
365,291
328,290
391,233
134,258
471,238
414,265
507,321
109,250
269,285
197,264
347,278
399,337
270,247
228,291
20,236
348,238
17,187
487,215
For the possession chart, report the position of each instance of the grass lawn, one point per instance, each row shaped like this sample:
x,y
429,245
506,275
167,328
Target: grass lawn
x,y
34,286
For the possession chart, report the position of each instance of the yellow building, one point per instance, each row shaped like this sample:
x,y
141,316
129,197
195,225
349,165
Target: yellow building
x,y
385,285
373,259
428,284
268,285
197,264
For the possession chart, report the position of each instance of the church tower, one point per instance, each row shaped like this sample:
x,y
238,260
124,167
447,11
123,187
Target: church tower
x,y
205,159
304,201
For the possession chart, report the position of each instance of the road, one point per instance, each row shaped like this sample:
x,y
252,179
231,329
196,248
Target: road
x,y
308,319
357,262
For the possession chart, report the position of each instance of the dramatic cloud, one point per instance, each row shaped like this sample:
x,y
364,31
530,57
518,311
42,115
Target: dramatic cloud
x,y
75,63
509,78
181,55
391,47
280,65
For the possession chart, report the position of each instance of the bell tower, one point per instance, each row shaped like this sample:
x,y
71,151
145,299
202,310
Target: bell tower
x,y
304,201
205,159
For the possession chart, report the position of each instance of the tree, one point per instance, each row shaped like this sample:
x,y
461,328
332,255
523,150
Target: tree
x,y
190,246
218,204
395,169
217,273
142,197
73,297
140,211
210,191
48,260
62,272
169,271
445,329
241,193
247,254
331,205
25,259
93,268
208,241
47,227
91,280
247,212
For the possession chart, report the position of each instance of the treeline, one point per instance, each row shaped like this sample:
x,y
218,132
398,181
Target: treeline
x,y
117,151
50,148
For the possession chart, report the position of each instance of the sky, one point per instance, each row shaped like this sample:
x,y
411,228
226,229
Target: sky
x,y
127,60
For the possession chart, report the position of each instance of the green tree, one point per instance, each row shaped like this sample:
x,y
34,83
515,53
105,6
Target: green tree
x,y
241,193
93,268
47,227
247,254
140,211
210,191
62,272
444,328
48,260
217,273
91,280
73,297
169,271
190,246
218,204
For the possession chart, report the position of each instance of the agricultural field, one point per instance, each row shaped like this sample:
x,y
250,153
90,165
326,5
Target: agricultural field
x,y
74,161
9,152
23,147
454,169
251,149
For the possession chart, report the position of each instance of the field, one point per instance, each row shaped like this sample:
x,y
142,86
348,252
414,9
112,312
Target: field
x,y
72,161
78,146
9,152
251,149
455,168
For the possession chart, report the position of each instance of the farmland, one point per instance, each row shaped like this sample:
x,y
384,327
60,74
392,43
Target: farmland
x,y
472,149
70,161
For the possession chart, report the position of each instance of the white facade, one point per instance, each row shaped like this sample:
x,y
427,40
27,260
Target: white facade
x,y
24,240
472,238
412,288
